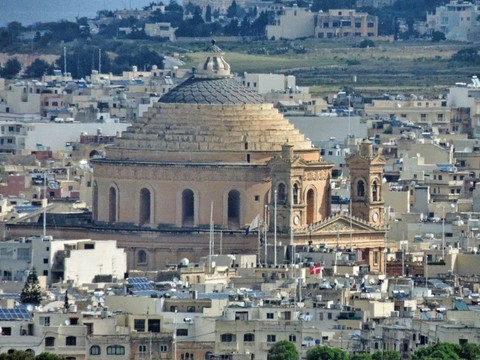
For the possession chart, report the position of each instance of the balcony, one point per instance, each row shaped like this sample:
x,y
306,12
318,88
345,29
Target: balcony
x,y
228,346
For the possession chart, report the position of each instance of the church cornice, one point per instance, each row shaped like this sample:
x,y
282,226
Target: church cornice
x,y
341,224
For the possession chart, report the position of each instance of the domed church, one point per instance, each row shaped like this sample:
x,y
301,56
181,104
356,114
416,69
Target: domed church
x,y
213,149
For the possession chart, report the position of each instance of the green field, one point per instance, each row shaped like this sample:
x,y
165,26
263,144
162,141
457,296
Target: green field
x,y
400,67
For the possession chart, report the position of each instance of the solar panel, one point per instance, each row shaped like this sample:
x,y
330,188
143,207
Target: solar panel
x,y
139,283
18,313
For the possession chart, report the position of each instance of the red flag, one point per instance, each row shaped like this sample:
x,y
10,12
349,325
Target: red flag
x,y
315,269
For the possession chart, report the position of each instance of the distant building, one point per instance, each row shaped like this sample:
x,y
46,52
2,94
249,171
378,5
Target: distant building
x,y
345,23
457,20
162,30
61,260
294,23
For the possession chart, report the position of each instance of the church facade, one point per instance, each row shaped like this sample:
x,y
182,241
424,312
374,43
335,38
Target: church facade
x,y
212,150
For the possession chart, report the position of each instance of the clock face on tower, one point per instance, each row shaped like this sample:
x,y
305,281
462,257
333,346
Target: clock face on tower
x,y
375,216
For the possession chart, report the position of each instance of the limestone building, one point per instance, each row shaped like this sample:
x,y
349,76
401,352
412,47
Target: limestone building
x,y
213,150
210,142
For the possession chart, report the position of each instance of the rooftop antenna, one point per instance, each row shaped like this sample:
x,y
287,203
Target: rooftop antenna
x,y
275,230
99,61
211,239
64,61
45,203
265,244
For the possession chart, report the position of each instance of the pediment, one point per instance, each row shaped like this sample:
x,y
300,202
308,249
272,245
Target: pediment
x,y
342,224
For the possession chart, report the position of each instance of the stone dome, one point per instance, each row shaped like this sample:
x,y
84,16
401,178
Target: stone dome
x,y
212,83
211,91
210,118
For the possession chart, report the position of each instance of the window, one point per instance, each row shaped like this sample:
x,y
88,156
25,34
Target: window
x,y
370,24
116,350
182,332
142,257
249,337
295,193
271,338
292,338
269,315
241,315
360,188
45,261
142,349
44,320
71,341
6,331
45,272
190,309
154,325
49,341
329,316
163,348
423,117
227,338
186,356
440,117
281,192
139,325
95,350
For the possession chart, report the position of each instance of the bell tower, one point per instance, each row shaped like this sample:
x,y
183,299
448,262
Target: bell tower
x,y
366,174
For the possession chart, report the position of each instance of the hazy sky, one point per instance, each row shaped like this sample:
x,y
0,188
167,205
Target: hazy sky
x,y
30,11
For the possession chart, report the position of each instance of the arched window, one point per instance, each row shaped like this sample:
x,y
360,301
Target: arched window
x,y
310,206
375,191
115,350
249,337
71,341
188,207
145,205
112,205
295,193
49,341
208,355
360,188
95,350
281,193
142,257
186,356
234,208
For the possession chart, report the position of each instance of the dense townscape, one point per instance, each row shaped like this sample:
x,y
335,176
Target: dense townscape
x,y
160,201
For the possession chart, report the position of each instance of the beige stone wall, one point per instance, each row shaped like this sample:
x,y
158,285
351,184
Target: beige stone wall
x,y
209,184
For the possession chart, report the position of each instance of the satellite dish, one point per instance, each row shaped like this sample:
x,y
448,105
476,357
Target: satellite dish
x,y
175,280
184,262
67,322
30,308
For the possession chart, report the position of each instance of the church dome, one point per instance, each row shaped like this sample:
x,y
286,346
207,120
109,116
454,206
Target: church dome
x,y
210,118
211,91
212,83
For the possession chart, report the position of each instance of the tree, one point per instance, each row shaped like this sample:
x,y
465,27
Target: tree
x,y
440,351
283,350
208,14
360,357
467,55
232,10
31,293
386,355
48,356
11,69
38,68
321,352
438,36
367,43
